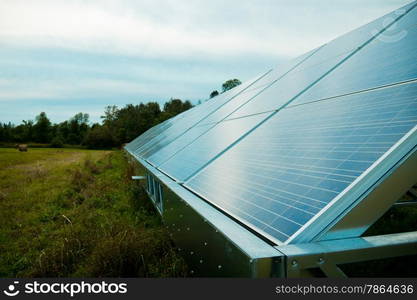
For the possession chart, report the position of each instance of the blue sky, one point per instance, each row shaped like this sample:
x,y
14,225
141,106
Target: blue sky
x,y
69,56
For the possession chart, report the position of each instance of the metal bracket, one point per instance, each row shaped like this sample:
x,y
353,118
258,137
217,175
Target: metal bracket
x,y
327,255
406,204
411,193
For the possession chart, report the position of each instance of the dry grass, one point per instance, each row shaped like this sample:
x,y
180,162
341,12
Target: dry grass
x,y
78,213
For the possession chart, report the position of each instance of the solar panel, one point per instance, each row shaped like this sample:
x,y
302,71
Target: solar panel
x,y
374,65
168,151
291,81
153,132
165,153
331,57
258,87
179,165
148,135
202,150
281,152
287,170
292,84
189,119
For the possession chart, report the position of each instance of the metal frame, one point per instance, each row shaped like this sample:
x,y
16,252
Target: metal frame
x,y
327,255
357,194
376,202
212,243
154,191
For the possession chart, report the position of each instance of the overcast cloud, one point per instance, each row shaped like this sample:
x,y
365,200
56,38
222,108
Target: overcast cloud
x,y
63,57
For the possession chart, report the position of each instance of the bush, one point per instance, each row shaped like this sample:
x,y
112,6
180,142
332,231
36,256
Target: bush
x,y
57,142
100,137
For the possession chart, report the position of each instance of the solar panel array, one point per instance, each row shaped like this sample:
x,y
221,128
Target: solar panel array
x,y
275,151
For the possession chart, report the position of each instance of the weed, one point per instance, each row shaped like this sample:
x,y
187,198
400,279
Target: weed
x,y
80,214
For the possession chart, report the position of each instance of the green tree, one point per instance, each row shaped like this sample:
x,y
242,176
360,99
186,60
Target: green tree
x,y
42,128
100,136
229,84
78,127
174,107
28,130
214,94
57,142
7,132
110,115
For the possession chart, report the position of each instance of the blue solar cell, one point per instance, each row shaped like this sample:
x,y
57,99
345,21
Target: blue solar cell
x,y
258,87
374,65
175,146
153,132
334,55
289,86
166,152
193,157
289,168
148,135
187,120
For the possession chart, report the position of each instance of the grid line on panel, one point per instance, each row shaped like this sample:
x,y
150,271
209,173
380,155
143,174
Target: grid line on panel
x,y
146,136
269,168
268,104
235,210
313,203
393,144
373,61
274,213
211,143
296,168
272,190
249,215
295,97
194,114
294,171
266,86
301,185
253,87
334,97
197,120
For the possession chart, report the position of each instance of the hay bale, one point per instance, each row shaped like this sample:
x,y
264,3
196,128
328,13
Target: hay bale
x,y
23,148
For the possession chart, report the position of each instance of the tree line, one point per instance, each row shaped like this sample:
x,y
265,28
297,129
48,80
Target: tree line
x,y
119,126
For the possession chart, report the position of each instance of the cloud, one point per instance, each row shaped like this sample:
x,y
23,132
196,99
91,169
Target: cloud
x,y
89,27
180,28
65,56
92,88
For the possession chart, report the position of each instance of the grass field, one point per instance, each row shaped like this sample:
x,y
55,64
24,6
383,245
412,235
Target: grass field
x,y
67,212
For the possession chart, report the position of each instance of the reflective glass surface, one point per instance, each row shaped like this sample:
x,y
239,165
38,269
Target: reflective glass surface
x,y
187,120
177,145
290,167
331,57
193,157
390,58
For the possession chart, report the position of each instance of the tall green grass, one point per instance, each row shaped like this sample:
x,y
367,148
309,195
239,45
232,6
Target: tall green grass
x,y
77,213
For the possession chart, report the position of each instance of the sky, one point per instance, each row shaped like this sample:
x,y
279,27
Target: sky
x,y
69,56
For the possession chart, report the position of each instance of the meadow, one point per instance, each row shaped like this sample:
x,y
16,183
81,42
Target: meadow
x,y
77,213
